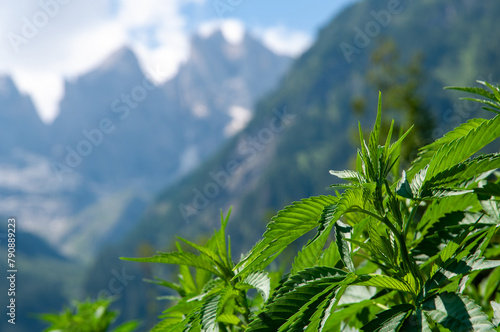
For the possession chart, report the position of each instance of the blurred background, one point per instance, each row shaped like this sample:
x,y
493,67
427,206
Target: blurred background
x,y
125,123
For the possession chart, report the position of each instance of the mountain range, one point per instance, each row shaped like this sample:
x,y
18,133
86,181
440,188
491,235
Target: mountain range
x,y
85,180
119,130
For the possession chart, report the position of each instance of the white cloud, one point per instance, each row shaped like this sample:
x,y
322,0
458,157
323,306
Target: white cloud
x,y
155,30
233,30
283,40
62,39
73,36
206,29
45,88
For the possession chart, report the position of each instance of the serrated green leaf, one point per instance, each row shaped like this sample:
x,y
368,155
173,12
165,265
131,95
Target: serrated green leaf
x,y
360,163
313,274
228,319
427,152
290,224
260,281
202,277
350,201
221,242
477,241
127,327
490,189
218,262
388,140
330,256
383,281
206,251
346,312
440,208
226,301
212,287
464,171
310,254
181,308
492,284
373,143
396,146
493,96
302,318
403,187
438,193
496,312
363,156
389,320
321,320
185,277
494,89
291,308
160,282
459,149
342,232
457,312
453,268
344,186
418,182
348,175
446,234
383,244
178,258
292,301
418,321
312,251
491,208
492,105
209,314
318,319
475,90
192,323
168,325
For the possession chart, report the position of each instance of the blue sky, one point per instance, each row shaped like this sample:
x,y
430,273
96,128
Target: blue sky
x,y
45,42
305,16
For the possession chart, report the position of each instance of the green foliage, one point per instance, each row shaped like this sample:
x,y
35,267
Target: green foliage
x,y
492,100
419,253
290,223
88,316
218,300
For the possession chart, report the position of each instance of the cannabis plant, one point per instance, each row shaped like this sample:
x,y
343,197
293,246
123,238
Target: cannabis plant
x,y
87,316
411,250
213,298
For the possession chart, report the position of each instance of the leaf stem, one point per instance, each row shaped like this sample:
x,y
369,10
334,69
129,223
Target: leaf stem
x,y
357,208
410,218
246,314
401,241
